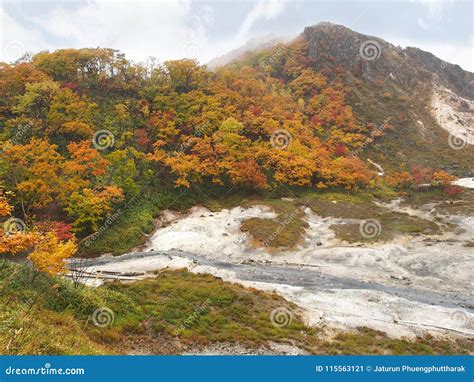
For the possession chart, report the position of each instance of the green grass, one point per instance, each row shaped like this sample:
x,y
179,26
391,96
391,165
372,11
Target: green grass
x,y
42,315
462,204
368,341
47,315
177,309
134,222
137,220
203,309
362,207
288,229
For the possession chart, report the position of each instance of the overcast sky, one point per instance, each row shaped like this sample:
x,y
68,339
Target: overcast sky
x,y
207,29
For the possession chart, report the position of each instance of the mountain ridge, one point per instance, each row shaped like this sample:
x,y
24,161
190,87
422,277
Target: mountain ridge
x,y
428,59
428,100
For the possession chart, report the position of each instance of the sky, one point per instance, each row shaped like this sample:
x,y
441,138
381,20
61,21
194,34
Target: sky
x,y
208,29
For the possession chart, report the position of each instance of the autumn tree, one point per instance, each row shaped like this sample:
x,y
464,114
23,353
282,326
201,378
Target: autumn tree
x,y
88,207
441,178
350,173
14,240
32,171
50,253
184,75
125,168
453,191
400,180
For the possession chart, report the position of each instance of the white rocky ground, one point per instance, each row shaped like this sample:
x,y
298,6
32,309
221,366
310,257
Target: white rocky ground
x,y
454,113
465,182
406,287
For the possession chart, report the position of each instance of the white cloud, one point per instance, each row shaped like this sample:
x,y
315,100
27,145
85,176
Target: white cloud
x,y
435,7
263,9
16,40
435,12
141,29
162,29
422,23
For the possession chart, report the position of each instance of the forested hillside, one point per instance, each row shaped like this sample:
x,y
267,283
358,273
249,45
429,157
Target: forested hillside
x,y
86,132
315,169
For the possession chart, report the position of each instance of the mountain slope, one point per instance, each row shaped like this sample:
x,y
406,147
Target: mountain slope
x,y
425,98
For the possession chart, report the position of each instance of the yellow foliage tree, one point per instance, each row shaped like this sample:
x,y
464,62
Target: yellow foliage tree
x,y
50,253
442,178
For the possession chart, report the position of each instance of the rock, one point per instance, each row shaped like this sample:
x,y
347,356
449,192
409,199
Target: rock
x,y
399,277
